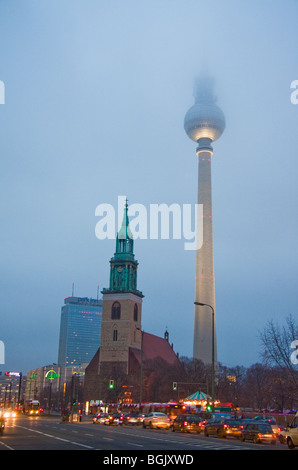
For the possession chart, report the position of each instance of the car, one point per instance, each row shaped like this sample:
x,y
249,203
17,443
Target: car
x,y
114,418
223,427
230,427
269,420
188,423
275,428
157,420
133,418
292,433
9,414
258,432
100,418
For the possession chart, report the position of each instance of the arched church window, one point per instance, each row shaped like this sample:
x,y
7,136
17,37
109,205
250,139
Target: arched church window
x,y
135,313
116,311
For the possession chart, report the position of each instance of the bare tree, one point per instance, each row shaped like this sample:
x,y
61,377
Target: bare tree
x,y
276,342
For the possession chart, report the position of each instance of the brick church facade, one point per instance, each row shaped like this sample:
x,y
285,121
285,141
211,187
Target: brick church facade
x,y
128,358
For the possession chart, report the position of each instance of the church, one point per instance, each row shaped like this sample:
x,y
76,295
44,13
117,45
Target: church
x,y
129,361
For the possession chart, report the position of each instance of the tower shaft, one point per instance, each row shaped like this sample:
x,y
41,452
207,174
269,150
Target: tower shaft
x,y
204,123
204,285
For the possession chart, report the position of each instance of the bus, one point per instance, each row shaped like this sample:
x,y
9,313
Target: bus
x,y
32,408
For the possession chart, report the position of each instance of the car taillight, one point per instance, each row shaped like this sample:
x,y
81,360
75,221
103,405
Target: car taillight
x,y
226,426
185,423
155,417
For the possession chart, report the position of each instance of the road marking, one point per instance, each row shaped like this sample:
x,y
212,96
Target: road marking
x,y
133,444
56,437
5,445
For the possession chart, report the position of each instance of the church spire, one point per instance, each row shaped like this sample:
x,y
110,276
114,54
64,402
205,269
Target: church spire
x,y
124,241
123,273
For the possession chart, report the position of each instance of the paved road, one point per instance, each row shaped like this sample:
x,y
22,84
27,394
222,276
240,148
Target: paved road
x,y
49,433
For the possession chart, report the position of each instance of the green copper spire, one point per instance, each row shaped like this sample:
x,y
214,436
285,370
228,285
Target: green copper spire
x,y
124,241
123,273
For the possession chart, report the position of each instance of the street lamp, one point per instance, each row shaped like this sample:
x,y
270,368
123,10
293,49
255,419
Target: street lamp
x,y
141,368
213,346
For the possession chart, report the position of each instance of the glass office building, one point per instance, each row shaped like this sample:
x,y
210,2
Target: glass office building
x,y
80,331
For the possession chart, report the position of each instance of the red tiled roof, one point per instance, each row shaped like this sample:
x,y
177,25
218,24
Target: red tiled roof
x,y
154,347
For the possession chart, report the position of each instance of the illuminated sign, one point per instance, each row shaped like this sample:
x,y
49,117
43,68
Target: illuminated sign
x,y
51,375
13,374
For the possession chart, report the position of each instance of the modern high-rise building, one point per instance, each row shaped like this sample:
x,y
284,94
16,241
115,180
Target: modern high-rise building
x,y
204,123
80,331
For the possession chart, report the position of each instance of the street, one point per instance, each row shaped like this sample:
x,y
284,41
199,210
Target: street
x,y
50,433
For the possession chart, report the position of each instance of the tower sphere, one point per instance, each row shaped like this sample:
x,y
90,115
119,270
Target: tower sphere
x,y
204,119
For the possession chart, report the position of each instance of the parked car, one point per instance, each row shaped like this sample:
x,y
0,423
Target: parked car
x,y
223,427
292,433
114,418
188,423
157,420
258,432
100,418
133,418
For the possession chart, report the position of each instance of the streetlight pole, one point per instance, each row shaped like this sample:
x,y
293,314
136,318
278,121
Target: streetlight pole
x,y
213,348
141,369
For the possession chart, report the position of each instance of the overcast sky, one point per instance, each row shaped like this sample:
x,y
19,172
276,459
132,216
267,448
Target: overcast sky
x,y
95,98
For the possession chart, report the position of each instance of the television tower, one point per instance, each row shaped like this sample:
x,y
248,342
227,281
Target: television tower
x,y
204,123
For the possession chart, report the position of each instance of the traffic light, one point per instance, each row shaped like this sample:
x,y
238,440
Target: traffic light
x,y
174,385
111,384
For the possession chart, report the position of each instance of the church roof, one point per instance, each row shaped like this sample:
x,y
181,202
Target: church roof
x,y
154,347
